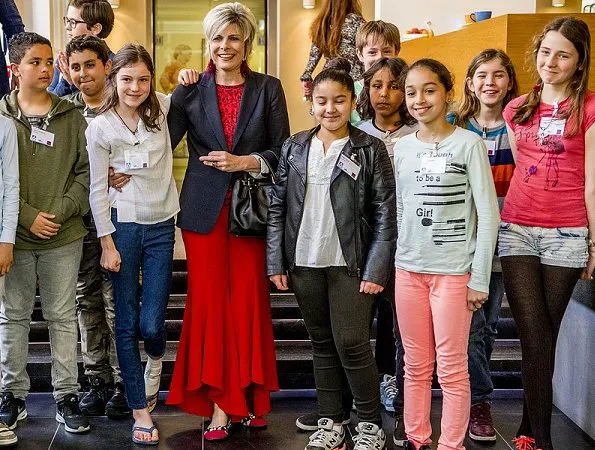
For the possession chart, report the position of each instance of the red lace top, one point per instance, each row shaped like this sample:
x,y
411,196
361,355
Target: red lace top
x,y
229,98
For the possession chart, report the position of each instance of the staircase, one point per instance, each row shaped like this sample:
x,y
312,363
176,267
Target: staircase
x,y
294,358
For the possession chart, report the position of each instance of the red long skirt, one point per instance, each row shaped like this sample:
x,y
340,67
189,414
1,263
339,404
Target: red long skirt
x,y
227,352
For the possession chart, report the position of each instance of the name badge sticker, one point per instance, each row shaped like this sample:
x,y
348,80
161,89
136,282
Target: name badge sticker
x,y
42,137
432,164
491,146
136,160
348,166
551,127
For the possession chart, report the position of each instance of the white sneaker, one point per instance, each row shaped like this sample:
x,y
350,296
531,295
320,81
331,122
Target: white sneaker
x,y
388,392
7,436
328,437
152,380
369,437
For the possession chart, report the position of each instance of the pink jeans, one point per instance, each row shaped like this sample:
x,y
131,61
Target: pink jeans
x,y
434,323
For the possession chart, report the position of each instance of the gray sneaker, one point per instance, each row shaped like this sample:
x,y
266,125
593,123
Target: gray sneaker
x,y
7,436
328,437
369,437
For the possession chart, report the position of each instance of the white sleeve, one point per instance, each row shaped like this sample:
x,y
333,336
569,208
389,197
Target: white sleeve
x,y
99,155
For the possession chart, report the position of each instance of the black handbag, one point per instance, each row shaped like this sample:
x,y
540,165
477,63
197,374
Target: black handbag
x,y
249,205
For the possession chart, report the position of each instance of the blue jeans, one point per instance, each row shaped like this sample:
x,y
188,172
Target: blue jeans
x,y
149,248
481,341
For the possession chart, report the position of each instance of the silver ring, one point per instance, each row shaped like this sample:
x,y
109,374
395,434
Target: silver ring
x,y
214,163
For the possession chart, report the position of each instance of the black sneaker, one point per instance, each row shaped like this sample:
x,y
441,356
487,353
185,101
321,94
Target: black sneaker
x,y
92,402
12,410
117,406
399,436
408,445
71,416
309,422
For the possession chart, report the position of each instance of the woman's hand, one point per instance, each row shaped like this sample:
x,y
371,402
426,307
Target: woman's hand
x,y
110,256
475,299
187,77
280,281
307,88
588,271
117,180
367,287
226,162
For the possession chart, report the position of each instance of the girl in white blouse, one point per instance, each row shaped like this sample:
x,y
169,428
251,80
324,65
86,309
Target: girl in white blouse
x,y
135,224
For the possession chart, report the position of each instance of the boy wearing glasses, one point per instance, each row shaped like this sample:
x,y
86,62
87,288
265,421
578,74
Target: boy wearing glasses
x,y
83,17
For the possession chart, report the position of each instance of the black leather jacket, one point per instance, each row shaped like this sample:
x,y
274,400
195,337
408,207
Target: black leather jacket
x,y
364,209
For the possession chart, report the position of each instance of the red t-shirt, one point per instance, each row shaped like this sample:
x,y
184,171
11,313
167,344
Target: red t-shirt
x,y
548,185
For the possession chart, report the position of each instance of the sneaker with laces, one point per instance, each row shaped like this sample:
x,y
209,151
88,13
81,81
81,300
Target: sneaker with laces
x,y
369,437
309,422
328,437
408,445
12,410
117,406
69,413
480,423
399,436
388,392
524,443
7,436
92,402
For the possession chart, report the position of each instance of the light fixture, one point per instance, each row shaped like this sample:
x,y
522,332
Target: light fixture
x,y
115,3
308,4
558,3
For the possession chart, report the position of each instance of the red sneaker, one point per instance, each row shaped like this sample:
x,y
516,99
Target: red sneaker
x,y
480,423
524,443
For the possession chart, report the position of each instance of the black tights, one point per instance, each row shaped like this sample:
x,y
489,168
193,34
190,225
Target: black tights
x,y
538,295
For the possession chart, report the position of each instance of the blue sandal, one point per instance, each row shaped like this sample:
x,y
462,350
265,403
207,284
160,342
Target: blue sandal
x,y
144,430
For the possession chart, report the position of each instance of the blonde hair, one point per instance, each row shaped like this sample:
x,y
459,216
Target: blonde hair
x,y
227,14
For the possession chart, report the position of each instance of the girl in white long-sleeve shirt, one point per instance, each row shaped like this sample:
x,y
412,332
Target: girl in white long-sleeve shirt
x,y
136,224
447,217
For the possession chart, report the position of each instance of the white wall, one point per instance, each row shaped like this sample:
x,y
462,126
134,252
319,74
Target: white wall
x,y
445,15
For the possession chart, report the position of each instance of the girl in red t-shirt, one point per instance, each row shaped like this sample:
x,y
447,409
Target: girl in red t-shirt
x,y
549,213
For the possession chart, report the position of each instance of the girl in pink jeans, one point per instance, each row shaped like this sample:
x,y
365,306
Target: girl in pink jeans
x,y
447,216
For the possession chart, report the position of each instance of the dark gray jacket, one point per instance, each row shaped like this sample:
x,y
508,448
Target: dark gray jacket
x,y
364,209
262,126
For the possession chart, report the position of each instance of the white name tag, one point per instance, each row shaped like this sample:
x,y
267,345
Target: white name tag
x,y
491,146
136,160
348,166
432,164
551,127
42,137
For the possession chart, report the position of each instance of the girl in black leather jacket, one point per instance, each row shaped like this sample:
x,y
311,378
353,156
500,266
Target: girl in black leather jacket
x,y
332,232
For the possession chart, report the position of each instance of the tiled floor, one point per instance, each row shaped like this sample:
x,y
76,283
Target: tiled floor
x,y
181,431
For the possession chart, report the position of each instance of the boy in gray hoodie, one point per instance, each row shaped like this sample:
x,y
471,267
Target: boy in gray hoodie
x,y
54,195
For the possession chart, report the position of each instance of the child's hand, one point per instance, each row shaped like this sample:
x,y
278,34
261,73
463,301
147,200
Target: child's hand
x,y
63,67
367,287
280,281
110,259
475,299
117,180
43,227
5,257
588,271
188,76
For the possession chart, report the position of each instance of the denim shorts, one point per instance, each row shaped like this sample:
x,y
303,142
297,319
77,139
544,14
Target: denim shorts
x,y
564,247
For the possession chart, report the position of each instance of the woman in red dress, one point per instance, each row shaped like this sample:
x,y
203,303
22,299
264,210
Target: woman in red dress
x,y
236,122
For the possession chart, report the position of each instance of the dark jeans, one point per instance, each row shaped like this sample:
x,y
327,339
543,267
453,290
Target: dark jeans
x,y
481,341
337,317
149,248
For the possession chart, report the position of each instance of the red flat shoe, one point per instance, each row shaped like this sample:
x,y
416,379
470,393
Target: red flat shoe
x,y
254,422
217,433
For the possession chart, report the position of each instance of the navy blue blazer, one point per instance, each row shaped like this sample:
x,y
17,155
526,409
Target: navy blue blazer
x,y
262,127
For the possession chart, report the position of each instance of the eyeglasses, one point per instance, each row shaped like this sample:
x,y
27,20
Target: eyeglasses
x,y
72,23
